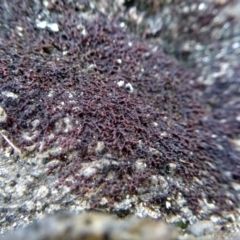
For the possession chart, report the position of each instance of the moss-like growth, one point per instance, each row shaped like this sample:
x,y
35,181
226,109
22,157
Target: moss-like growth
x,y
117,112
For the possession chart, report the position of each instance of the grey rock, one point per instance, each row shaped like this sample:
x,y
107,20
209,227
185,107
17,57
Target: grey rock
x,y
94,227
235,236
201,228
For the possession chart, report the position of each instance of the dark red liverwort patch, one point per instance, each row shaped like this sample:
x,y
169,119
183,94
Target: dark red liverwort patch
x,y
92,82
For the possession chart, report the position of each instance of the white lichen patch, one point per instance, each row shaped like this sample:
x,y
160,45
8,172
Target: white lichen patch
x,y
122,25
51,93
119,61
110,175
120,83
46,3
56,151
202,6
9,190
172,167
92,168
9,94
164,134
125,204
142,211
236,45
100,147
187,213
168,205
163,183
30,136
103,201
236,186
41,24
206,206
154,180
42,192
19,28
64,53
154,151
35,123
129,87
51,136
53,27
20,190
197,180
3,115
68,124
236,144
140,165
88,171
29,206
90,67
181,201
84,32
64,125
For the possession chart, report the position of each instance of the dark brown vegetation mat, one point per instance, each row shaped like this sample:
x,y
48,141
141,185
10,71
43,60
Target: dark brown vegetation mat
x,y
85,90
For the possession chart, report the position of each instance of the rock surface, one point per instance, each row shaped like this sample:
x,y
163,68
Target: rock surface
x,y
95,226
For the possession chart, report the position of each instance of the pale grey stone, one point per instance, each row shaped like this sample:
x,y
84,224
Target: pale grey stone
x,y
94,227
201,228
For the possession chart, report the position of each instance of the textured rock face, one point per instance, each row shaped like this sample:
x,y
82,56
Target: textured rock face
x,y
93,117
95,227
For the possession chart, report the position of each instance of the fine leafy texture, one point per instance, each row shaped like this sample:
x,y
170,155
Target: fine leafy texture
x,y
103,102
